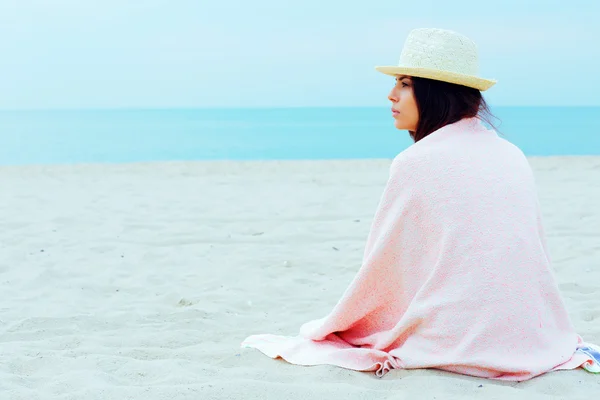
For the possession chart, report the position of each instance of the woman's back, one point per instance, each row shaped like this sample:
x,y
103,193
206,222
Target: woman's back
x,y
480,278
478,189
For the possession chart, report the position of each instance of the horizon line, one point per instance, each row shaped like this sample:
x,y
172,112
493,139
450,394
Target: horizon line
x,y
166,108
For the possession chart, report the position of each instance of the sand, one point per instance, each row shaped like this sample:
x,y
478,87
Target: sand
x,y
139,281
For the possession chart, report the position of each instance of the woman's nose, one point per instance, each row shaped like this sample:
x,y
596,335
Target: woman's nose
x,y
392,96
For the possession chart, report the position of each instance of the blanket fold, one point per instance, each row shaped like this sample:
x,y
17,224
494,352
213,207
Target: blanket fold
x,y
455,275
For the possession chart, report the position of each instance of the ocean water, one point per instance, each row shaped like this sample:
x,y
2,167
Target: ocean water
x,y
41,137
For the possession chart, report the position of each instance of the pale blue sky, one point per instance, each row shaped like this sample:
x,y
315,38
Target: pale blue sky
x,y
234,53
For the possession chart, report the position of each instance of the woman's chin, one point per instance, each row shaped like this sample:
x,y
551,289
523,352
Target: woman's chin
x,y
403,127
400,126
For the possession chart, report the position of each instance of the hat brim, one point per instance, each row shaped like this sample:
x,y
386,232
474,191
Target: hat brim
x,y
445,76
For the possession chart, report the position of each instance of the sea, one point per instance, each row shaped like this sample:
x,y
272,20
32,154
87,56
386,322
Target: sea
x,y
130,135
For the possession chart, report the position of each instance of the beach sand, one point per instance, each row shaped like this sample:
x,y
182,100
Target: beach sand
x,y
139,281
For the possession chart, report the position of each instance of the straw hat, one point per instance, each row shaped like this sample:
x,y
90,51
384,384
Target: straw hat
x,y
441,55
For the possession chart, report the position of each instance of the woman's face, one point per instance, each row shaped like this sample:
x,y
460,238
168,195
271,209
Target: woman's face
x,y
404,105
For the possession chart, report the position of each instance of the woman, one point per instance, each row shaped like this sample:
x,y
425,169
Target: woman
x,y
455,274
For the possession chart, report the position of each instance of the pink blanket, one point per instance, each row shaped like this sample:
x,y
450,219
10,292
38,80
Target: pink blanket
x,y
455,275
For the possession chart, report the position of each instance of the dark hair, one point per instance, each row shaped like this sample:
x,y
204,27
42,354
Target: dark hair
x,y
442,103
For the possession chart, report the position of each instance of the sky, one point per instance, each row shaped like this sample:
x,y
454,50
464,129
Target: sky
x,y
273,53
